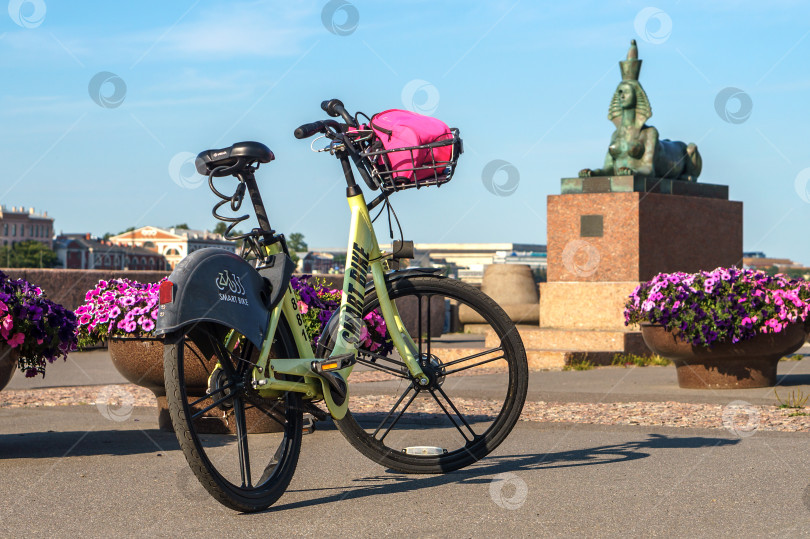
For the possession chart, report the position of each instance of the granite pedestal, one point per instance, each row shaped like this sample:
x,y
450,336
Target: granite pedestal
x,y
607,234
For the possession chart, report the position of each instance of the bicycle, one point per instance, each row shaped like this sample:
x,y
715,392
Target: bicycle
x,y
241,322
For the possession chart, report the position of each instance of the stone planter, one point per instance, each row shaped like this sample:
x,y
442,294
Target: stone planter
x,y
141,362
512,287
8,364
742,365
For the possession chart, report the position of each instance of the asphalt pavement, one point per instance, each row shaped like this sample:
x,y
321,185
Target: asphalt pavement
x,y
68,471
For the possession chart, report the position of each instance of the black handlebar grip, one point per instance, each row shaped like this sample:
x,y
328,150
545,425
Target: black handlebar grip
x,y
307,130
330,107
335,108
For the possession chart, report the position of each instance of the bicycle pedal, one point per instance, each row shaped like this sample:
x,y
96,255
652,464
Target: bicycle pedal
x,y
309,424
334,363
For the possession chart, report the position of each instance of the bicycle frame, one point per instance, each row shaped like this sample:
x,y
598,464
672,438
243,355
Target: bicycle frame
x,y
363,254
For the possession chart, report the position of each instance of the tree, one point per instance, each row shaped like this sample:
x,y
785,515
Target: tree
x,y
28,254
108,235
181,226
296,244
220,228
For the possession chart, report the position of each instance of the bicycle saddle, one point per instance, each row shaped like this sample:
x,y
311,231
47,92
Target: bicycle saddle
x,y
246,152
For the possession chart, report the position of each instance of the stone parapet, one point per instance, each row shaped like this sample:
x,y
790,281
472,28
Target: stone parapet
x,y
68,287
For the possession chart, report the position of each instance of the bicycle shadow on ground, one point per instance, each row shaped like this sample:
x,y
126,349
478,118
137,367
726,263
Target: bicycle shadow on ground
x,y
51,444
482,472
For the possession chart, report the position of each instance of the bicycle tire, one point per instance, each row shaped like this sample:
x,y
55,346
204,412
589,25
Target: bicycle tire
x,y
514,357
208,454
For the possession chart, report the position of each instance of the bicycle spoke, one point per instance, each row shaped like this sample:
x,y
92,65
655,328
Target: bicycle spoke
x,y
210,406
241,433
378,357
391,426
271,466
222,354
269,413
208,395
427,333
383,368
460,416
419,321
390,413
464,368
473,356
244,359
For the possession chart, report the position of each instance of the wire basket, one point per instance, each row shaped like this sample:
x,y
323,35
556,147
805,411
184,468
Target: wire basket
x,y
411,166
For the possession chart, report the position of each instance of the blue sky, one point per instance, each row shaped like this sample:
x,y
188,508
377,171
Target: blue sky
x,y
526,82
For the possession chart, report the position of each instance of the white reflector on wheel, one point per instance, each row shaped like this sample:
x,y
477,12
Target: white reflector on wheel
x,y
424,450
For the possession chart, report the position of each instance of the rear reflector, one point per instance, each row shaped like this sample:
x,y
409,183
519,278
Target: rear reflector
x,y
166,292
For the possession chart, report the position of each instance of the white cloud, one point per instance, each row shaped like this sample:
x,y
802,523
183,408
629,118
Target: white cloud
x,y
248,29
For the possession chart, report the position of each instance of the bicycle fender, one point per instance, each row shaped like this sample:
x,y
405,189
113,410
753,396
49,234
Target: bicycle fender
x,y
216,285
396,275
278,271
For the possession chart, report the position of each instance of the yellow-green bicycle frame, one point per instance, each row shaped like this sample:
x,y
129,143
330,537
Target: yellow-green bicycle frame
x,y
363,254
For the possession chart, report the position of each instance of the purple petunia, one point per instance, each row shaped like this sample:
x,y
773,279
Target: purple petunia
x,y
727,304
40,330
322,302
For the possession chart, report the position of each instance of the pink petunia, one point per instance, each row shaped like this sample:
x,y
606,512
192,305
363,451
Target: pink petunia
x,y
16,340
303,307
364,333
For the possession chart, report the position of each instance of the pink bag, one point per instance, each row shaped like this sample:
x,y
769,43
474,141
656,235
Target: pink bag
x,y
396,129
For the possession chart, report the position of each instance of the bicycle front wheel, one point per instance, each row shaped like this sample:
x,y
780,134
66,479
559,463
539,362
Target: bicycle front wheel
x,y
478,377
243,448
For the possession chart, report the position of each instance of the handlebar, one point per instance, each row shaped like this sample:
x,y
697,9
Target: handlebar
x,y
335,108
349,150
307,130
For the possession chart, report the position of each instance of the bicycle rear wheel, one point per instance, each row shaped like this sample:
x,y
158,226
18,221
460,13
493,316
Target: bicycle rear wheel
x,y
248,464
477,386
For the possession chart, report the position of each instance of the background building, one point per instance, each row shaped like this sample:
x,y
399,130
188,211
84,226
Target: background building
x,y
82,251
173,243
465,261
19,224
318,262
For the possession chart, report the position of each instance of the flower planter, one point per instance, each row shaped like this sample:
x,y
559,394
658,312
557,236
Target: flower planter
x,y
140,360
34,331
8,364
747,364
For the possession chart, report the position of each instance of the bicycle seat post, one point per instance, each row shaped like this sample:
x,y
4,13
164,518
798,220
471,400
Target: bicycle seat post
x,y
249,179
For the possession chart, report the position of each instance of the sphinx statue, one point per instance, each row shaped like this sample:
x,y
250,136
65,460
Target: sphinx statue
x,y
635,147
